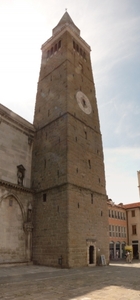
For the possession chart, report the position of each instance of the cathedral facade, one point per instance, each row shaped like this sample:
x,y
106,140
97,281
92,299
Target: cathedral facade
x,y
53,202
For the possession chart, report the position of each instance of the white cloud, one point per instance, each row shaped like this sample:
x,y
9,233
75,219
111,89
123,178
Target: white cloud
x,y
121,165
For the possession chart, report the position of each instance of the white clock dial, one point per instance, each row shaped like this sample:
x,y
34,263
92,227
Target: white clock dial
x,y
83,102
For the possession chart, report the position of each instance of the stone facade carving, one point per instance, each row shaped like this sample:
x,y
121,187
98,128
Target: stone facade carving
x,y
20,174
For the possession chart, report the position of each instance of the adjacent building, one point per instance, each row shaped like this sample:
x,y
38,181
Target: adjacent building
x,y
133,225
117,220
16,195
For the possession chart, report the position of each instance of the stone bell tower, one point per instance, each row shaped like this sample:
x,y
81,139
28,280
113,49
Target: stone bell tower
x,y
70,202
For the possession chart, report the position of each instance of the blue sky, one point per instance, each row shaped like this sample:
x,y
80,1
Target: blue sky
x,y
112,29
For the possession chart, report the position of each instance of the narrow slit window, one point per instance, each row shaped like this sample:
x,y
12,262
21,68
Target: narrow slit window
x,y
89,164
91,198
44,198
44,163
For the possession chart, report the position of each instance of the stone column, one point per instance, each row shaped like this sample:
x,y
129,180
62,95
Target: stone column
x,y
28,227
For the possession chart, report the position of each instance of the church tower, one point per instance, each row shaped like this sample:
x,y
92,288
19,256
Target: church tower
x,y
70,201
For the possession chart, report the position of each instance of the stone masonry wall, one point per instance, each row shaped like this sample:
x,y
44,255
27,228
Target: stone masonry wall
x,y
87,222
15,243
50,233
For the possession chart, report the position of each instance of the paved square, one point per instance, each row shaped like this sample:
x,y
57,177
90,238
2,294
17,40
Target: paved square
x,y
118,281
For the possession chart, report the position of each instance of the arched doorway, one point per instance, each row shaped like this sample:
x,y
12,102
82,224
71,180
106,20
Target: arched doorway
x,y
91,252
117,250
12,235
91,255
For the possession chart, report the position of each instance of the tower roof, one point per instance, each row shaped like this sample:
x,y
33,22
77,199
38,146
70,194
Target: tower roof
x,y
66,21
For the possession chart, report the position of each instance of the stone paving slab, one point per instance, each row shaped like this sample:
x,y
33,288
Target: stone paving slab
x,y
118,281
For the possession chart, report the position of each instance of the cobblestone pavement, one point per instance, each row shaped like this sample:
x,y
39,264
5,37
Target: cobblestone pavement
x,y
118,281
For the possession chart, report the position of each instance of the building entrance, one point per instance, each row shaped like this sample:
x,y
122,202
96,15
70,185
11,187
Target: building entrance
x,y
91,255
135,251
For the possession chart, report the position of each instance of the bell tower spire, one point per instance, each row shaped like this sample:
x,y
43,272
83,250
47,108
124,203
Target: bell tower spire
x,y
66,21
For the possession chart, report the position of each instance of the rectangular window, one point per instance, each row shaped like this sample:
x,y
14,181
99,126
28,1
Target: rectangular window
x,y
55,48
132,213
124,232
112,213
134,229
110,233
48,53
77,48
81,52
109,212
84,55
52,51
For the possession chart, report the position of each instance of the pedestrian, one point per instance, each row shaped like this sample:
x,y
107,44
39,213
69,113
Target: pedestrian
x,y
130,257
127,256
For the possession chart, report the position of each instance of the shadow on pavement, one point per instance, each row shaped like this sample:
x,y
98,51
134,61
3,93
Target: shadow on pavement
x,y
68,284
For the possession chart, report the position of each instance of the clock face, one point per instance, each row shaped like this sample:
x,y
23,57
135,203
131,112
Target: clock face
x,y
83,102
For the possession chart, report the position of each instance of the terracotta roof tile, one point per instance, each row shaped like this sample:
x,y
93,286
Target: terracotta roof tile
x,y
132,205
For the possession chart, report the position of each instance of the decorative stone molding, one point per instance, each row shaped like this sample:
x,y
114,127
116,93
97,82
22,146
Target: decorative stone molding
x,y
28,227
15,186
20,174
30,140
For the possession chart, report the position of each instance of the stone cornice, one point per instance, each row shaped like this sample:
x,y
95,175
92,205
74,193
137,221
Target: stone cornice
x,y
65,28
70,185
15,186
14,120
